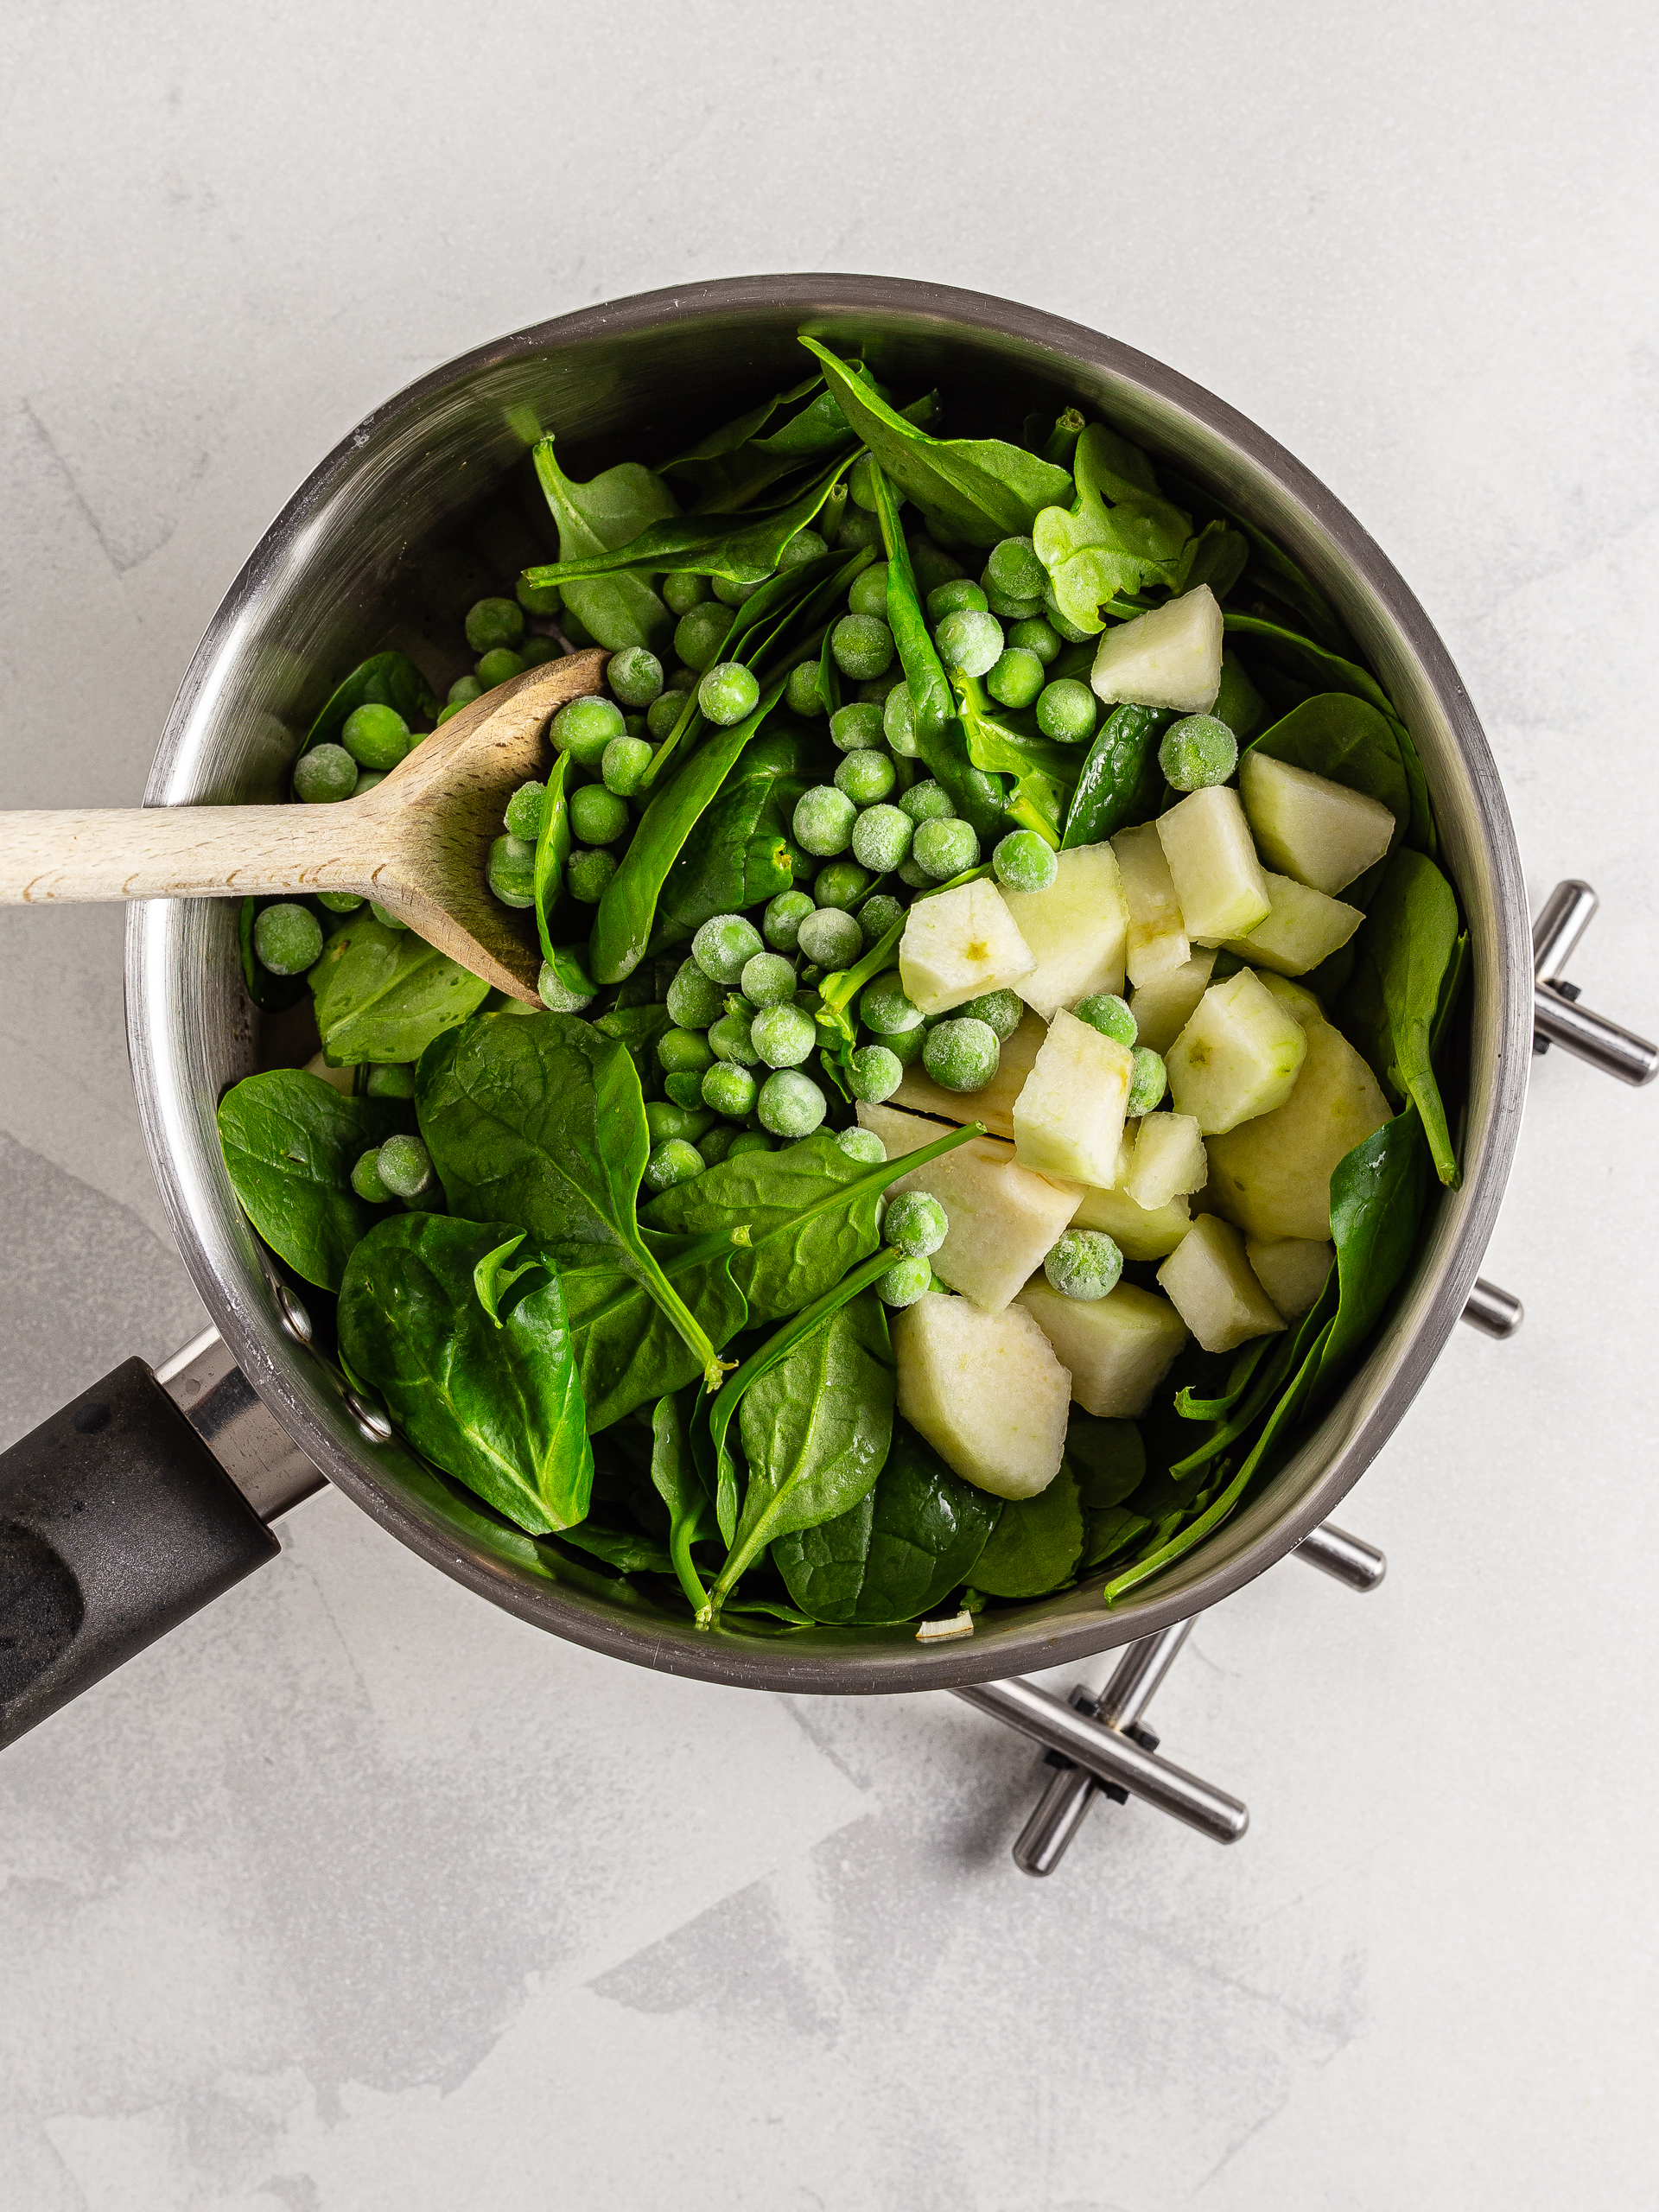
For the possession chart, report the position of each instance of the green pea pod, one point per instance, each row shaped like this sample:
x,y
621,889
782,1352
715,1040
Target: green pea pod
x,y
1121,778
552,850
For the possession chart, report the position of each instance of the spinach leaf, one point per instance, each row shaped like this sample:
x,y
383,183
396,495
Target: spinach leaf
x,y
538,1120
1271,571
1245,1362
1119,535
1120,782
552,850
1378,1192
490,1396
290,1141
1405,951
494,1281
617,607
639,1027
628,1350
674,1476
1350,741
1218,557
976,489
816,1425
739,853
1238,703
626,1550
1036,1544
1107,1460
383,680
385,994
898,1551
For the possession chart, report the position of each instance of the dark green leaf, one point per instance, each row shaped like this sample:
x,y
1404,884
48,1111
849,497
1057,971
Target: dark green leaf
x,y
383,680
1238,703
617,607
494,1281
1036,1544
1107,1460
385,994
290,1141
674,1476
626,1550
1218,558
1405,951
1377,1196
628,1350
742,549
639,1027
552,850
1120,782
738,855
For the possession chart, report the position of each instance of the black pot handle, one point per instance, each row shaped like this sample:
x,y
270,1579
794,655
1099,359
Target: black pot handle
x,y
117,1522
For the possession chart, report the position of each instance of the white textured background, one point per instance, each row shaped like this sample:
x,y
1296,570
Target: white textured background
x,y
358,1895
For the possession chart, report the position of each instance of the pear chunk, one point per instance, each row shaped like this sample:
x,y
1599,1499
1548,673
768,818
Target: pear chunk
x,y
1163,1006
994,1104
1239,1055
1303,927
1305,825
1212,1286
1076,929
1156,938
985,1389
1171,657
1291,1269
1068,1121
1169,1162
1218,877
958,943
1117,1350
1138,1235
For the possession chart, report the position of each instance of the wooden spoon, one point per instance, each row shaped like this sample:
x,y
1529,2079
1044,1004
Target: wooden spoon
x,y
416,844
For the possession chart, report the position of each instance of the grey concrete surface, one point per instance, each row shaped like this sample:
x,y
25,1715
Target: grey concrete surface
x,y
358,1895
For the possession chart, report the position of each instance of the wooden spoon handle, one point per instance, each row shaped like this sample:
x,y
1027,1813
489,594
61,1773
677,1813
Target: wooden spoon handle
x,y
172,852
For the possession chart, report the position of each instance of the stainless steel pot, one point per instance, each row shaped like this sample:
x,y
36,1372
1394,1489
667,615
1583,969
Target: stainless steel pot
x,y
419,508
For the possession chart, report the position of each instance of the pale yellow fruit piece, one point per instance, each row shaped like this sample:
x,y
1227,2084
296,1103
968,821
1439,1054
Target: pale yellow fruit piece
x,y
994,1104
1117,1350
1239,1055
958,943
1303,927
1291,1269
1169,1162
1139,1235
1068,1121
1163,1006
1218,879
1003,1219
1157,940
1171,657
985,1389
1273,1175
1076,929
1212,1286
343,1079
1305,826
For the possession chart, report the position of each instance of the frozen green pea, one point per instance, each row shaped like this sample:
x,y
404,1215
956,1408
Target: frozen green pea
x,y
1036,636
1017,678
326,772
535,652
665,1121
831,938
780,924
586,874
961,1055
791,1104
868,595
905,1045
881,838
386,918
856,726
874,1073
1013,569
684,1088
878,915
499,665
444,714
663,713
723,945
1065,711
1084,1264
558,995
928,801
635,675
585,727
684,1051
1008,610
862,646
729,1039
524,815
843,884
699,635
376,737
694,1000
914,876
673,1161
861,1144
730,1090
365,1177
859,527
465,689
1061,622
727,693
287,939
905,1281
340,902
958,594
767,979
898,722
1197,752
1024,862
405,1166
969,642
883,1006
714,1144
750,1140
930,564
511,871
1149,1082
536,599
681,593
1109,1014
945,849
1000,1011
915,1223
805,545
623,763
392,1079
866,778
367,781
598,817
733,594
802,692
782,1036
824,820
492,623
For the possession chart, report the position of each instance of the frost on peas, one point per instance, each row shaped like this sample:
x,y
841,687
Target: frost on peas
x,y
499,667
1065,711
287,939
598,817
326,772
781,922
824,820
729,1089
556,996
830,939
878,915
1001,1012
884,1008
727,693
494,622
1149,1082
969,642
1017,678
926,802
1036,636
802,692
586,874
915,1225
1198,752
791,1104
905,1046
722,947
635,675
961,1055
1024,862
881,838
693,1001
866,778
1109,1014
856,727
767,980
585,727
943,848
511,871
699,635
868,595
1084,1264
861,1144
1013,569
874,1073
684,1051
623,763
405,1166
905,1281
365,1177
523,816
913,874
376,737
957,594
782,1037
729,1039
862,646
898,722
673,1161
843,884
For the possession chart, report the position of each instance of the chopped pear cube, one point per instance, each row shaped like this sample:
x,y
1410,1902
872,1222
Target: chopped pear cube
x,y
958,943
985,1389
1068,1121
1139,1235
1239,1055
994,1104
1305,826
1076,930
1157,939
1218,880
1171,657
1211,1287
1273,1175
1303,927
1003,1219
1117,1350
1163,1006
1169,1160
1291,1269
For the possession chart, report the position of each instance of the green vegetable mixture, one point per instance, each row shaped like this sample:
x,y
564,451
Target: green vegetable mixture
x,y
998,982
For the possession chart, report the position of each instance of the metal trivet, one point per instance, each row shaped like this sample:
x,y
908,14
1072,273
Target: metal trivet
x,y
1095,1742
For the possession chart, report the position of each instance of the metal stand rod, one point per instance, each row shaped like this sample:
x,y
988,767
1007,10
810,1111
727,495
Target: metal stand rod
x,y
1349,1559
1557,1018
1494,1313
1562,920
